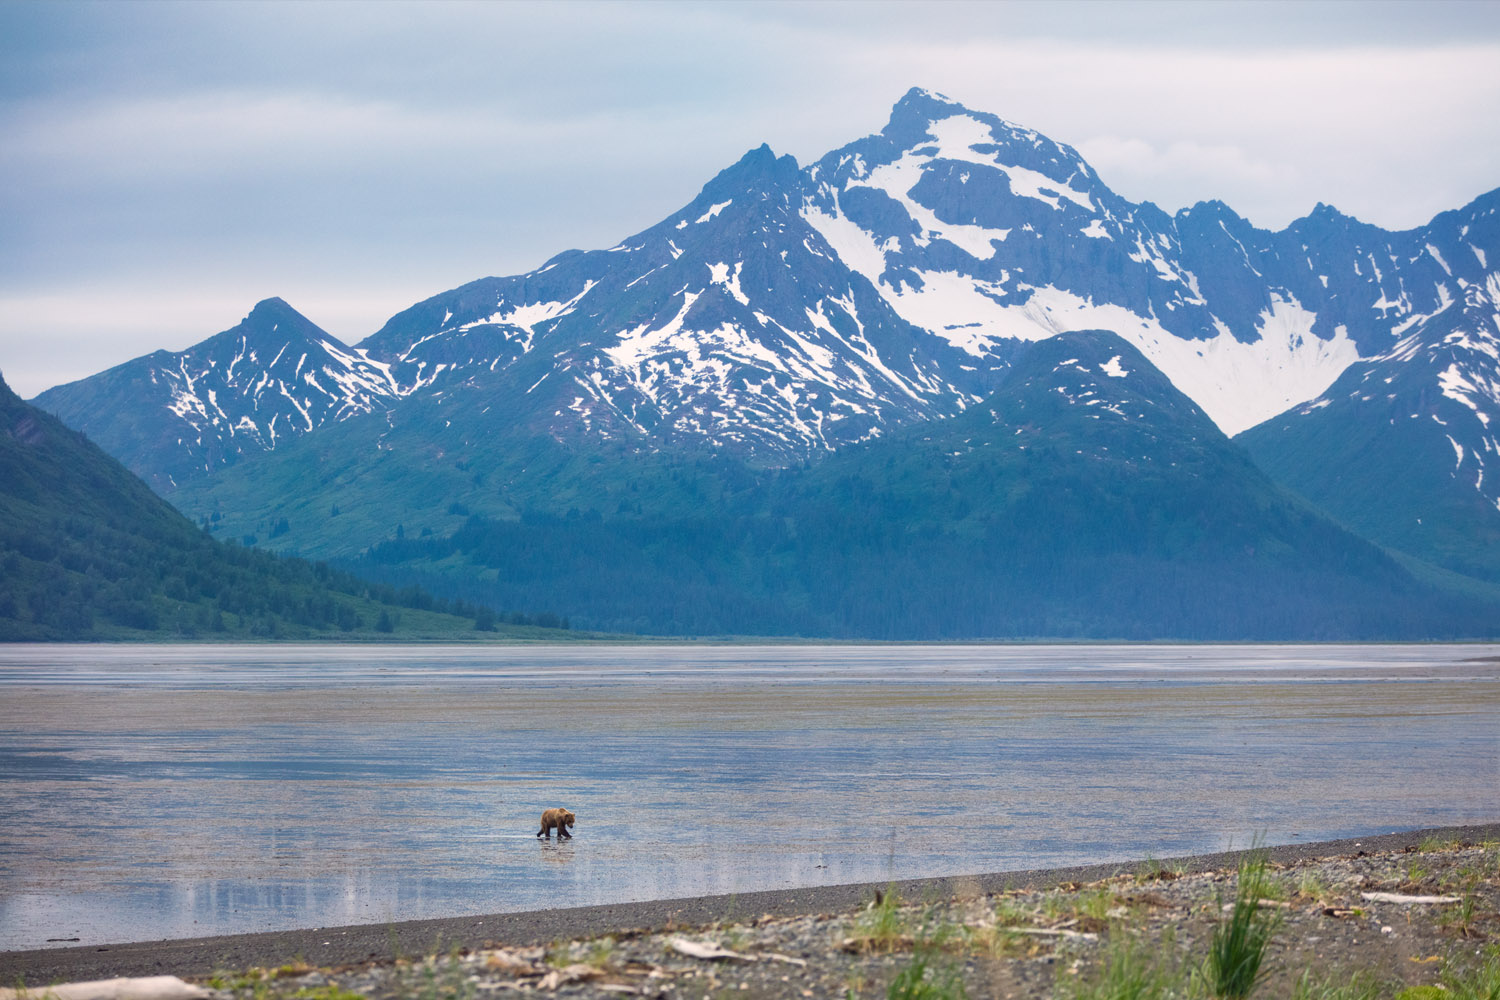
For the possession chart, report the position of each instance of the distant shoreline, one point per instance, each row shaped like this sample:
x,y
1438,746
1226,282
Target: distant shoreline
x,y
362,943
585,638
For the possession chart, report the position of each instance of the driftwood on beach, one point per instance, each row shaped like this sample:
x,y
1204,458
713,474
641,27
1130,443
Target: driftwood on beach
x,y
122,988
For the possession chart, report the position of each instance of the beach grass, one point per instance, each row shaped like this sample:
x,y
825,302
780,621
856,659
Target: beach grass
x,y
927,976
1478,980
1131,969
1237,950
883,925
1338,985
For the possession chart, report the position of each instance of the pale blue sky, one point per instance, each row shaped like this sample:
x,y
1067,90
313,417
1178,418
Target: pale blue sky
x,y
167,165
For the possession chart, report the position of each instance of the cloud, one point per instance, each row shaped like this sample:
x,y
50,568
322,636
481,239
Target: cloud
x,y
1192,170
64,334
166,165
232,180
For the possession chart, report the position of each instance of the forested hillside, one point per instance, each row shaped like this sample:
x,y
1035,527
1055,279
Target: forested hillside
x,y
87,551
1087,498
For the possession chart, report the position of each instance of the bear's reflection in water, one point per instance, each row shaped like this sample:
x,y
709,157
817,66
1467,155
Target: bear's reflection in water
x,y
558,852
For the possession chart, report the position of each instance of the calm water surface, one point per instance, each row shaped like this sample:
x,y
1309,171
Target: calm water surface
x,y
154,792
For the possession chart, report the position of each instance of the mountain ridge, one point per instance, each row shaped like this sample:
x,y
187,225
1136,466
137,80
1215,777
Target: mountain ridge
x,y
977,295
787,313
162,415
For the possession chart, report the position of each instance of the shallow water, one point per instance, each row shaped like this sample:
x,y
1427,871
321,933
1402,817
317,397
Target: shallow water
x,y
154,792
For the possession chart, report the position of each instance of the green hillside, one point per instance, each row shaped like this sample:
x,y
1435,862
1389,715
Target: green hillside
x,y
87,551
1384,467
1068,505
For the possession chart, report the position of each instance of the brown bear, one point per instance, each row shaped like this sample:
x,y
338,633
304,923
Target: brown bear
x,y
559,818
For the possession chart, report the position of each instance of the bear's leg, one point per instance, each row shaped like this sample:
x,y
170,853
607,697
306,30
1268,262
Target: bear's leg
x,y
562,832
546,831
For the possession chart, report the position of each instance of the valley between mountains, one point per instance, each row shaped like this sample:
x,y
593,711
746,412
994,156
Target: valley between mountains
x,y
942,383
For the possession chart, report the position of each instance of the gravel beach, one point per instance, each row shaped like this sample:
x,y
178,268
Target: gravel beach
x,y
1014,934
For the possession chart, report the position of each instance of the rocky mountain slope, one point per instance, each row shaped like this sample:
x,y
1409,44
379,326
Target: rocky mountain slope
x,y
1401,447
171,417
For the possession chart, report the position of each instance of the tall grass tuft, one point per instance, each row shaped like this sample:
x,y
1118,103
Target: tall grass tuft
x,y
1131,970
1337,986
1233,967
924,979
882,926
1480,981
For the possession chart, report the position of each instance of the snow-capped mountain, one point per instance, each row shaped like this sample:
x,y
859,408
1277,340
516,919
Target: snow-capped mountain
x,y
982,232
1405,446
273,377
787,312
941,382
730,324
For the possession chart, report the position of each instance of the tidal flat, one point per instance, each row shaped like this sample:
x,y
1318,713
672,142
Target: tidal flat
x,y
185,791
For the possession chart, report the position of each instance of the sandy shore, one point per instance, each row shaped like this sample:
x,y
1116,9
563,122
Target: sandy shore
x,y
382,943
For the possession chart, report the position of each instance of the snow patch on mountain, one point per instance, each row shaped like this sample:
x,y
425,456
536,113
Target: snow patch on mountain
x,y
1237,384
967,312
713,211
720,274
1458,386
527,315
1458,451
635,346
899,178
957,135
858,249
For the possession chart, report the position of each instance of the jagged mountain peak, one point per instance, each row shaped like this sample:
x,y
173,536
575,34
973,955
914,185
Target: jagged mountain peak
x,y
274,375
1325,222
1211,206
913,116
275,309
273,304
273,317
758,175
925,124
920,105
761,160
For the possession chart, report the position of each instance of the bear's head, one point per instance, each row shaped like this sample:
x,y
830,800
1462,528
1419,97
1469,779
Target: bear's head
x,y
568,817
